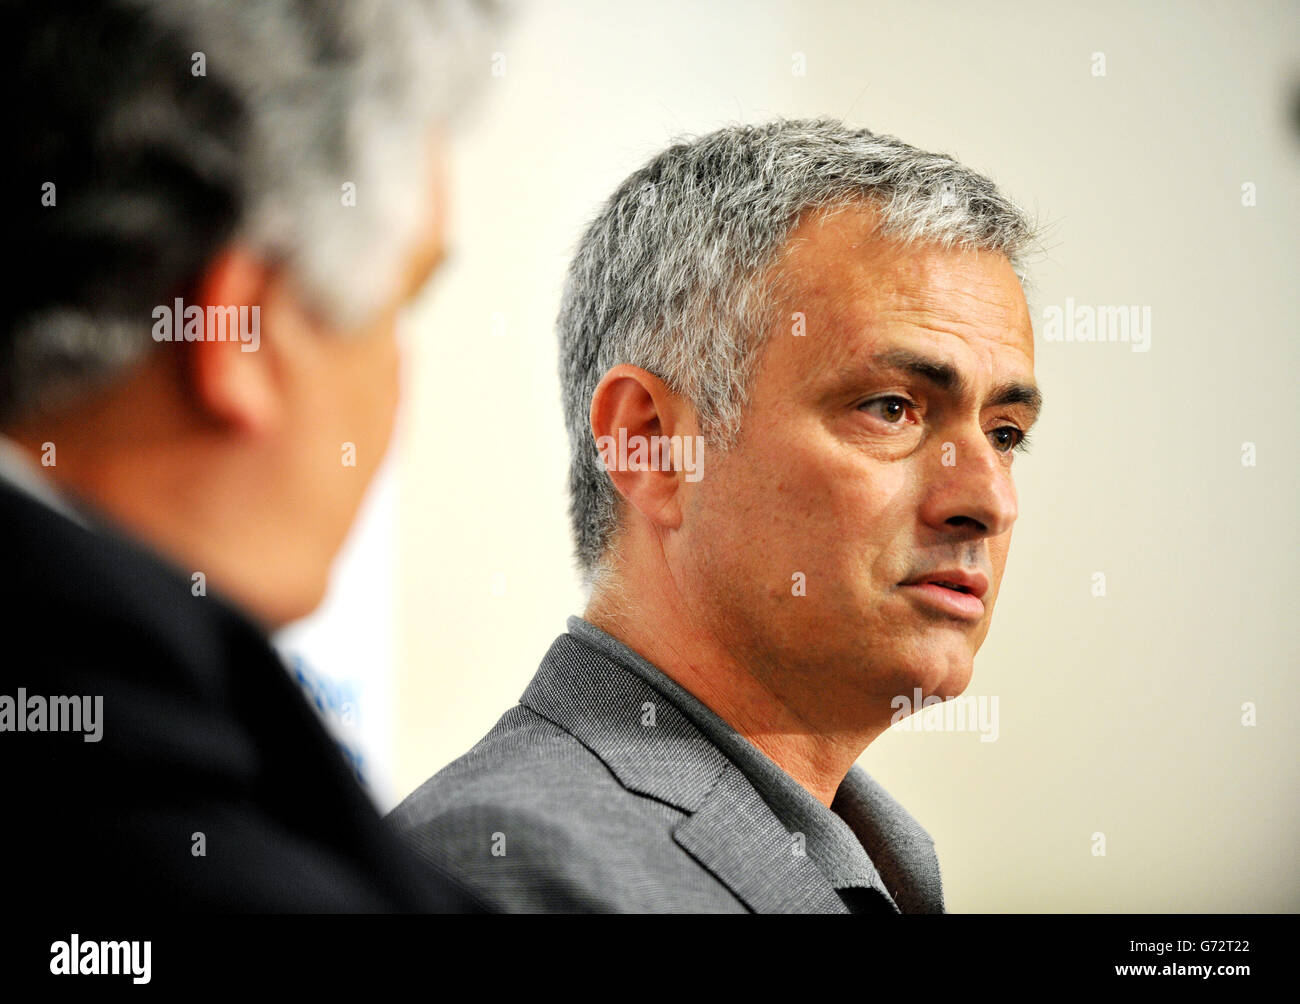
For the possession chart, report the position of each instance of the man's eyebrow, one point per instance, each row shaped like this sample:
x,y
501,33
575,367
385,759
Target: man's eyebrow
x,y
947,378
1018,393
942,374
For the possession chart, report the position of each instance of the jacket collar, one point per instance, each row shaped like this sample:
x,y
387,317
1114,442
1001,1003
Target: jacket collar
x,y
900,848
654,750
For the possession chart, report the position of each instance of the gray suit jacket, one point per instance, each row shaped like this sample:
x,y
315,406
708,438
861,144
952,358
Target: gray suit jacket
x,y
571,803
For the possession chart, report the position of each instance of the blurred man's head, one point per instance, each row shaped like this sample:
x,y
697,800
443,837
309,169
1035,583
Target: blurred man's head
x,y
187,159
841,317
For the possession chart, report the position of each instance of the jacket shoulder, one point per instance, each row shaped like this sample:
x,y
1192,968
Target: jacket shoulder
x,y
524,760
531,820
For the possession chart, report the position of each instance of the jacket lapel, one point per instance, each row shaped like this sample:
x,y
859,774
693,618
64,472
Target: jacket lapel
x,y
737,837
654,750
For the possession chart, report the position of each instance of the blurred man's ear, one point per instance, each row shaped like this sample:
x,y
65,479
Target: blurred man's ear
x,y
631,398
236,383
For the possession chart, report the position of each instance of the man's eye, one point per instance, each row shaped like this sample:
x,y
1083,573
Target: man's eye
x,y
1007,438
892,409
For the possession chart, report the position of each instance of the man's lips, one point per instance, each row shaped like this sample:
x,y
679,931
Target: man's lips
x,y
955,592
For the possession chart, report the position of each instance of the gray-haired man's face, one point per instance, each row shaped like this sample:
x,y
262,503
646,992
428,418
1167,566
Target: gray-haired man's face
x,y
875,453
340,392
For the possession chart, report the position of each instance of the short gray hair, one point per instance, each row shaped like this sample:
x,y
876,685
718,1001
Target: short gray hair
x,y
171,128
675,273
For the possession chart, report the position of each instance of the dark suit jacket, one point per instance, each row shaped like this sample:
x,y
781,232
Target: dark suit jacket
x,y
571,803
203,732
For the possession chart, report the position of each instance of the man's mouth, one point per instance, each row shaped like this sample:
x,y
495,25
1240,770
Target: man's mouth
x,y
953,593
950,601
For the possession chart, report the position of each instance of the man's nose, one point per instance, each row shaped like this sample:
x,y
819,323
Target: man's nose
x,y
971,488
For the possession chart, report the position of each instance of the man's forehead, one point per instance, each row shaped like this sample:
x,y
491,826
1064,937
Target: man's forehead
x,y
861,296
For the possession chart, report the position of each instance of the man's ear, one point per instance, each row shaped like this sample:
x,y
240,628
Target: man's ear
x,y
633,417
234,381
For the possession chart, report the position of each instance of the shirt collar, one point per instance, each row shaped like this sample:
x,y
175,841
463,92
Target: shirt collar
x,y
22,473
834,847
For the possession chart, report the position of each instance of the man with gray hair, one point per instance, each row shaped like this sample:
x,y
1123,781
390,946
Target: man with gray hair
x,y
219,209
797,363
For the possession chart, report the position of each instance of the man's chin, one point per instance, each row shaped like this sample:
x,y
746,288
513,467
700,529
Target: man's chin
x,y
940,670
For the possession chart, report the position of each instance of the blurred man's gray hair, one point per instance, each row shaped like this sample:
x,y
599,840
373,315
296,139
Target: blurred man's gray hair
x,y
678,273
237,120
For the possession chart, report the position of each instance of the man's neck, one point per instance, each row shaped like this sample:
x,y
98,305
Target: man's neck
x,y
161,492
660,629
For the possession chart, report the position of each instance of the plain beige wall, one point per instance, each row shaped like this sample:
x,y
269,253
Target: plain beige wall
x,y
1118,714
